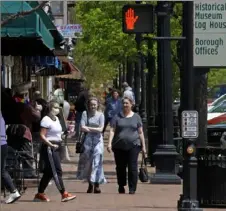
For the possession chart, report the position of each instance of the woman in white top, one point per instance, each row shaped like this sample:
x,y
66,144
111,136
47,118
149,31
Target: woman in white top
x,y
51,132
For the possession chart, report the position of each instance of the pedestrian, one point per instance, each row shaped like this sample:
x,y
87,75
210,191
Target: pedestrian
x,y
5,177
126,140
80,106
128,92
113,107
28,113
108,94
51,132
66,109
92,124
58,94
42,104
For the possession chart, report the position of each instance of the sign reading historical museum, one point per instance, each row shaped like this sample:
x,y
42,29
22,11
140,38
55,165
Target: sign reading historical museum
x,y
209,33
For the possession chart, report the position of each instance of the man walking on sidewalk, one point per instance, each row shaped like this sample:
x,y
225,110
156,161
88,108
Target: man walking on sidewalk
x,y
128,92
113,107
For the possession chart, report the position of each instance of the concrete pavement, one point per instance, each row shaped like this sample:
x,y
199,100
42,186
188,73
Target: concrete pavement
x,y
148,197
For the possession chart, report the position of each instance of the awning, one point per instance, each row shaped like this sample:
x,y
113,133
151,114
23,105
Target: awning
x,y
26,35
58,38
72,72
49,71
68,71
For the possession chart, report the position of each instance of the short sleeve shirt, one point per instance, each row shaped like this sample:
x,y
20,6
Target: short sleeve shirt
x,y
126,131
54,129
95,121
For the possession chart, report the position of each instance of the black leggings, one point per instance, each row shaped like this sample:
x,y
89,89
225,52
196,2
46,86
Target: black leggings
x,y
52,169
7,180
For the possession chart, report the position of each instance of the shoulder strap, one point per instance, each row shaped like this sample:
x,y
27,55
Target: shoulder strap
x,y
87,117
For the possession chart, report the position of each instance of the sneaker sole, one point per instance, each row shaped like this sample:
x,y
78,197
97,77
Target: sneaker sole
x,y
14,200
39,200
68,199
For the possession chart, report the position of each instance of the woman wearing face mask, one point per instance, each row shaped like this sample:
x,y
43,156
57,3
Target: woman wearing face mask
x,y
51,132
126,139
92,124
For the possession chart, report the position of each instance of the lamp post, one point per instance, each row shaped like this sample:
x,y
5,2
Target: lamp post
x,y
120,76
143,111
166,154
151,128
129,72
137,75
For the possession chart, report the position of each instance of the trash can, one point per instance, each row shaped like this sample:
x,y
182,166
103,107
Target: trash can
x,y
211,177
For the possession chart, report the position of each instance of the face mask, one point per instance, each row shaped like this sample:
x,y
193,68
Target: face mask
x,y
55,111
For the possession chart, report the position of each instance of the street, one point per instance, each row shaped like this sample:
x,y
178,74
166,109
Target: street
x,y
148,197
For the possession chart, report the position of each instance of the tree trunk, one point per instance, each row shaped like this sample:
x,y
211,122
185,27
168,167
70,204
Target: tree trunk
x,y
200,95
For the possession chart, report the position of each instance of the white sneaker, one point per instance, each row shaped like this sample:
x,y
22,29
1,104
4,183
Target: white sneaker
x,y
13,197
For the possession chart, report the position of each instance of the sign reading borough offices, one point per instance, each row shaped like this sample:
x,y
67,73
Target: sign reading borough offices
x,y
209,33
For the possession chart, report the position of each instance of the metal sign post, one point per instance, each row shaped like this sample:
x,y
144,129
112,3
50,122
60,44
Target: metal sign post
x,y
190,124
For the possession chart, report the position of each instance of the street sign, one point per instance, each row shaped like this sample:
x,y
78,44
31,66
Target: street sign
x,y
209,33
69,30
190,124
138,18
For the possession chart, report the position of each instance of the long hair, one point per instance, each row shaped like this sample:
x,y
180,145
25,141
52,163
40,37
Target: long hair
x,y
95,99
44,105
49,107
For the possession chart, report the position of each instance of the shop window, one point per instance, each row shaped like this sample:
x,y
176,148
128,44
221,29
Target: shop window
x,y
57,8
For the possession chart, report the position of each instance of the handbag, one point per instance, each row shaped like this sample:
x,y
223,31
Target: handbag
x,y
80,143
143,172
79,148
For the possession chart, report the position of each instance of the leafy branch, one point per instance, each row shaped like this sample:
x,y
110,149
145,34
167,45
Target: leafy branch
x,y
22,13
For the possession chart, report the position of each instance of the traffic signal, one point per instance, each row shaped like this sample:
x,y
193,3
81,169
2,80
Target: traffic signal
x,y
138,18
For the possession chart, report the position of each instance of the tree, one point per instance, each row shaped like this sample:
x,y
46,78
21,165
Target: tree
x,y
216,76
21,13
103,41
96,70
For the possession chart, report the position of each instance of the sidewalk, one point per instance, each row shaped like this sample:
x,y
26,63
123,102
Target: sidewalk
x,y
148,197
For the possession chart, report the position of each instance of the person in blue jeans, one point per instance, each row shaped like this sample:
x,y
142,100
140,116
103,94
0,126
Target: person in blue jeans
x,y
5,177
113,107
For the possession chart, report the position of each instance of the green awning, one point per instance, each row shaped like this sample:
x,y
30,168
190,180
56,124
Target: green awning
x,y
23,32
48,23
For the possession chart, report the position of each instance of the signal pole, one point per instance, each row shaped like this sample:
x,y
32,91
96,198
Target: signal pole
x,y
188,200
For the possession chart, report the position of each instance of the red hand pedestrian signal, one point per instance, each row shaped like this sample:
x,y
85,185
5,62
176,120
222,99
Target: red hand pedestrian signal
x,y
130,19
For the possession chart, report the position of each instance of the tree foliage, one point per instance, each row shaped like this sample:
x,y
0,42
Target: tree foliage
x,y
216,76
104,46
